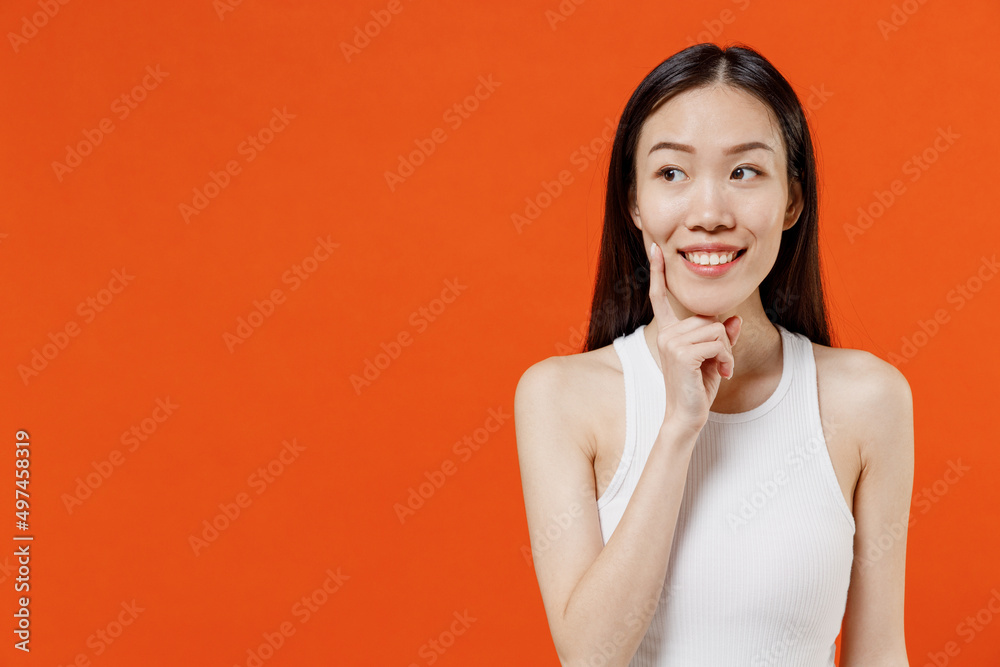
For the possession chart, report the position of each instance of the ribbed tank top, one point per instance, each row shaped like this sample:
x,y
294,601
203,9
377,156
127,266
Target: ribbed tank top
x,y
762,552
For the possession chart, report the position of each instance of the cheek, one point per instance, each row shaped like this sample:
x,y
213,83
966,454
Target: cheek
x,y
662,217
764,221
767,242
762,208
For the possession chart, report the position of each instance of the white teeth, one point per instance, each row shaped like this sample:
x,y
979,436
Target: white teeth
x,y
710,259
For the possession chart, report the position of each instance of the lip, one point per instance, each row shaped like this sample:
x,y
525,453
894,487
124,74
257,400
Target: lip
x,y
710,247
710,270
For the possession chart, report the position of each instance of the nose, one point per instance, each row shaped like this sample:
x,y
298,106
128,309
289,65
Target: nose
x,y
709,208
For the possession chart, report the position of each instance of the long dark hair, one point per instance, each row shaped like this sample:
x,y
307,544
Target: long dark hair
x,y
792,293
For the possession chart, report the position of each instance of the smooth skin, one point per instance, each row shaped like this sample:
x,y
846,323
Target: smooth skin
x,y
599,599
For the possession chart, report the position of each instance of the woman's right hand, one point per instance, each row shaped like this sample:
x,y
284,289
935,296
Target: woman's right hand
x,y
695,353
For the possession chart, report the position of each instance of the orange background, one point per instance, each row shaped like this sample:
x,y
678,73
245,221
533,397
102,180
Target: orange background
x,y
523,295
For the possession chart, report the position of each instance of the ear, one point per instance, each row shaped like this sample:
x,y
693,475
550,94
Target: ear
x,y
796,203
633,208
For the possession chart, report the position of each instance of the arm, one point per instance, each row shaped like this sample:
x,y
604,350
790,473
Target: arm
x,y
599,599
873,620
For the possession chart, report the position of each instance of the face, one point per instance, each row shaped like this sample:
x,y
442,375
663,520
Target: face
x,y
721,181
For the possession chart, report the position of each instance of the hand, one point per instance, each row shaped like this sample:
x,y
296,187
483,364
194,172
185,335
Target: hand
x,y
695,353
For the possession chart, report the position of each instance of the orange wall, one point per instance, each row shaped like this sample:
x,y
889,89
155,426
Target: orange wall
x,y
127,270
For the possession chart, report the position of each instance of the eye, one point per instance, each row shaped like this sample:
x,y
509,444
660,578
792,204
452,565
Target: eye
x,y
663,172
743,169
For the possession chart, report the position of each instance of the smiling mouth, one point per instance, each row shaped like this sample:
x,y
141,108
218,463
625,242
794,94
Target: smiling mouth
x,y
711,258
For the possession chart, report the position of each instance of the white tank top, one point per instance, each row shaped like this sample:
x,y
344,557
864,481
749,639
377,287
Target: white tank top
x,y
762,553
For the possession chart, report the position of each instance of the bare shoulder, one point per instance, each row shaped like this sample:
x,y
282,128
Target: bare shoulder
x,y
570,389
867,394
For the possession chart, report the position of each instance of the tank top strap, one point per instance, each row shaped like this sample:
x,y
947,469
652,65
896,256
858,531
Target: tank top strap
x,y
625,348
807,390
645,398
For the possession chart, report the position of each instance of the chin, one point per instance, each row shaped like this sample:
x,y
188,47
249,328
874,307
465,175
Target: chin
x,y
710,308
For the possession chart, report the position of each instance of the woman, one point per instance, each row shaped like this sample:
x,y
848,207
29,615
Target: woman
x,y
677,519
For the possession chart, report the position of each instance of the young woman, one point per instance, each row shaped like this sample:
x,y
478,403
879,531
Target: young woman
x,y
709,482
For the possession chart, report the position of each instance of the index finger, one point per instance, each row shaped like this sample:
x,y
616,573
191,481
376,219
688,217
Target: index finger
x,y
662,309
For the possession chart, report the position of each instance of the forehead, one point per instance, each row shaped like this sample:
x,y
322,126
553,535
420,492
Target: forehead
x,y
711,119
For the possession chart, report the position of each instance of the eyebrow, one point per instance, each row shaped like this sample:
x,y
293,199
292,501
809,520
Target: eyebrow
x,y
738,148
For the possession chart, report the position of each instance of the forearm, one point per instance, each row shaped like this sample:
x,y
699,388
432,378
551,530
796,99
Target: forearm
x,y
610,609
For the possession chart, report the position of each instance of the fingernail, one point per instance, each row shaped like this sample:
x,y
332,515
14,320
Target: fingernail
x,y
652,247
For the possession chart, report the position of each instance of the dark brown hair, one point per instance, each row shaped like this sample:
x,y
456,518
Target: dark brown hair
x,y
792,292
